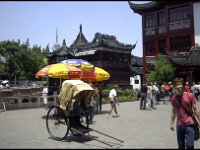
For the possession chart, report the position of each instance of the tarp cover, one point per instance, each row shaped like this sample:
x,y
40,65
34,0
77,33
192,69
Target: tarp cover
x,y
74,93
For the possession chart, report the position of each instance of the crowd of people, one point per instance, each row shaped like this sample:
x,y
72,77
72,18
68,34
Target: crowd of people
x,y
178,93
183,99
151,94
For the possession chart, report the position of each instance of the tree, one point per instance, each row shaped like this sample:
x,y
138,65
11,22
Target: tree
x,y
163,71
46,50
21,61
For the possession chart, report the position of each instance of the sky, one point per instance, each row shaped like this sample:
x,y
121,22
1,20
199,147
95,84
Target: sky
x,y
38,20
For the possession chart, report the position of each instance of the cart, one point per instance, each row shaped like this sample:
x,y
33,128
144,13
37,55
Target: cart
x,y
65,116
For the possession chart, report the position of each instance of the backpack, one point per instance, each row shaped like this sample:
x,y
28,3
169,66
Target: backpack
x,y
166,88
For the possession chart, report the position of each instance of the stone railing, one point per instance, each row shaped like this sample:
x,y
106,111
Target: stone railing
x,y
22,102
23,97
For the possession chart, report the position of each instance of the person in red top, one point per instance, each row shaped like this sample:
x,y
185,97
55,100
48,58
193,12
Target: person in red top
x,y
184,123
187,87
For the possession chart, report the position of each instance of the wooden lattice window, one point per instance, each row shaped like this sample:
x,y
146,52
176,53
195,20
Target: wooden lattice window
x,y
180,43
150,21
178,14
150,47
161,19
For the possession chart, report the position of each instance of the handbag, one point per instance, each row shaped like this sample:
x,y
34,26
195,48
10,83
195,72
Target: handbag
x,y
196,124
196,128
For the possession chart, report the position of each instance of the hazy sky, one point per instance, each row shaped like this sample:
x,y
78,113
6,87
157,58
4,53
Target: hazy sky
x,y
37,21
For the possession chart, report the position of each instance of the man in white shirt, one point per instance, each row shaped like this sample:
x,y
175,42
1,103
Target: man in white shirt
x,y
113,100
44,96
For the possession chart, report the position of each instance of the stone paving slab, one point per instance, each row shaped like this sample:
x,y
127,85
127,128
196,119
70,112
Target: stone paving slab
x,y
26,128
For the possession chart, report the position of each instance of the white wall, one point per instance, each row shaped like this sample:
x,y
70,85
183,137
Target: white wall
x,y
196,12
135,82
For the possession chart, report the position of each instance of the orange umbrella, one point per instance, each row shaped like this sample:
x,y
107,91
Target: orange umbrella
x,y
98,74
60,70
90,73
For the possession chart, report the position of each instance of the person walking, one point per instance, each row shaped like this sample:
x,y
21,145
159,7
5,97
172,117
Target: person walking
x,y
194,90
154,95
91,109
187,87
143,99
149,96
198,87
100,96
165,89
97,96
113,99
44,96
184,123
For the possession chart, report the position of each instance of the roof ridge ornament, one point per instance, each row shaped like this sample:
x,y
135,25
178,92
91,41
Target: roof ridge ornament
x,y
80,27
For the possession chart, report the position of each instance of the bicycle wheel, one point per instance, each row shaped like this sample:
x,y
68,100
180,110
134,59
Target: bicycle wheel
x,y
57,123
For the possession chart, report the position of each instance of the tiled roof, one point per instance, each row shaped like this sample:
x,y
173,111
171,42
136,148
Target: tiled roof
x,y
101,42
194,57
191,58
61,51
136,61
137,70
149,6
136,65
139,8
109,42
176,58
80,40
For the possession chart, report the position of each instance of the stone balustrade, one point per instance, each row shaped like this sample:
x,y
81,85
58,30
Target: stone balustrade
x,y
23,97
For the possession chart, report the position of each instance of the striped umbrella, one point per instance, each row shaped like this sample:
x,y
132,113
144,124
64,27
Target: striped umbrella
x,y
60,70
98,74
84,65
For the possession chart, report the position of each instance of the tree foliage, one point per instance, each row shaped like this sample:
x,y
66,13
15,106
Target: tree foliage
x,y
21,61
163,71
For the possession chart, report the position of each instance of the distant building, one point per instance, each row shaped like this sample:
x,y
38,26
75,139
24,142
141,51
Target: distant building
x,y
103,51
136,81
136,72
171,28
56,46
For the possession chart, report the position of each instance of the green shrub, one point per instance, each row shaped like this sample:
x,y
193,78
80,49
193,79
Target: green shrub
x,y
124,95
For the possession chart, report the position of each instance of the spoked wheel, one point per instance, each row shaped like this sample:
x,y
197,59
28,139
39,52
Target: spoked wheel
x,y
57,123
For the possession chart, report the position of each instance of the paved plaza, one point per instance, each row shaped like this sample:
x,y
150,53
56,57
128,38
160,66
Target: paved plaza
x,y
137,128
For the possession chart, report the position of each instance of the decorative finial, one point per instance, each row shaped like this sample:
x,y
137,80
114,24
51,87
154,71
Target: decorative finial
x,y
64,43
56,35
80,27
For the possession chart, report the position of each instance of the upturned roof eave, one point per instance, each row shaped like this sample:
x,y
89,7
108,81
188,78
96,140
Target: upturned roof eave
x,y
152,5
139,8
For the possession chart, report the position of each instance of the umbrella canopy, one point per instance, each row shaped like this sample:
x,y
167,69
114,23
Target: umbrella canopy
x,y
98,74
90,73
84,65
60,70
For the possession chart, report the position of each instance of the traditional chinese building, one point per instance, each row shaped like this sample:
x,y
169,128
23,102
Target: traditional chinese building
x,y
103,51
136,71
171,28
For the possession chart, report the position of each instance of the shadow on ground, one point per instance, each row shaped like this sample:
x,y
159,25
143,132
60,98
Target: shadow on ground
x,y
84,139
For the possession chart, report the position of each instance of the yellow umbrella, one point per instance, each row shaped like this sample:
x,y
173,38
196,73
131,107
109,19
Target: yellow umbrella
x,y
98,74
60,70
